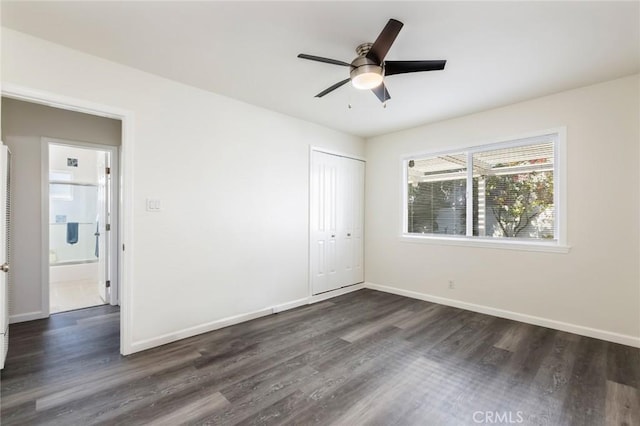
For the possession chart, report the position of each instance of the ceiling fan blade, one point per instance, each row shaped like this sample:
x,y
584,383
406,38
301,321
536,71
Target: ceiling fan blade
x,y
384,41
325,60
401,67
381,92
332,88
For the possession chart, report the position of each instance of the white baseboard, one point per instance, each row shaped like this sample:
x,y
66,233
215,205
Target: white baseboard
x,y
623,339
28,316
334,293
198,329
316,298
236,319
290,305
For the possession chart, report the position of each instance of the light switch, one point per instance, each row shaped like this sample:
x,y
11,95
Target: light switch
x,y
153,205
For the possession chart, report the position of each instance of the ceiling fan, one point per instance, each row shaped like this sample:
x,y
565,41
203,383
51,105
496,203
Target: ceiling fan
x,y
369,68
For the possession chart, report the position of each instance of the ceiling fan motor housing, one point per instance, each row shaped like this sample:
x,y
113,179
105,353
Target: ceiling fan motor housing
x,y
365,73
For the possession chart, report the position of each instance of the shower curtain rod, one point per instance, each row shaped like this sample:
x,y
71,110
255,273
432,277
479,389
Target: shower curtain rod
x,y
62,182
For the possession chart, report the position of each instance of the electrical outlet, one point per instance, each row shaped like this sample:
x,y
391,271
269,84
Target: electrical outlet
x,y
452,285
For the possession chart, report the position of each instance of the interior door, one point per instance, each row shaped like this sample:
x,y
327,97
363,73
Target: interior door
x,y
336,222
323,220
101,225
352,220
4,252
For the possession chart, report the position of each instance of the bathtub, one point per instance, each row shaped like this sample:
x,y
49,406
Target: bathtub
x,y
73,271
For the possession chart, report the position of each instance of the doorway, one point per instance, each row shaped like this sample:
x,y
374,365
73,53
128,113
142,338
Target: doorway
x,y
37,277
82,224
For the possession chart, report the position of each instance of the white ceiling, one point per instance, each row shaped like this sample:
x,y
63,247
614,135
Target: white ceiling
x,y
497,53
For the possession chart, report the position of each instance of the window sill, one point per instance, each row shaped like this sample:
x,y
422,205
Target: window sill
x,y
550,247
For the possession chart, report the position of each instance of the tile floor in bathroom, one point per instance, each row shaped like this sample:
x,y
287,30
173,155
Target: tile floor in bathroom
x,y
69,295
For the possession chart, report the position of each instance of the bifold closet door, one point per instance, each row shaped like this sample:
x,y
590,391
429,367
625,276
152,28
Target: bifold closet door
x,y
351,221
336,221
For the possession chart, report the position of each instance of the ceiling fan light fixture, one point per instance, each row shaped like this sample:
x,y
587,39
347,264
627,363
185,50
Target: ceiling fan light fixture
x,y
366,77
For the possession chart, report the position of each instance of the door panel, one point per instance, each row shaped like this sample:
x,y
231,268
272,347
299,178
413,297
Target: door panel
x,y
323,222
4,252
346,215
352,218
357,221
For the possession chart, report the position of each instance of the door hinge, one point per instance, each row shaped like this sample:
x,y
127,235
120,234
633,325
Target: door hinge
x,y
108,283
108,227
107,170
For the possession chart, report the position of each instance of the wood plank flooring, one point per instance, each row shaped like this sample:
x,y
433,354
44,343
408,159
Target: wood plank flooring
x,y
363,358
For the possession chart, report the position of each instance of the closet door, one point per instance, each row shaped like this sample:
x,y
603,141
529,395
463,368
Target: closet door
x,y
323,218
336,222
351,220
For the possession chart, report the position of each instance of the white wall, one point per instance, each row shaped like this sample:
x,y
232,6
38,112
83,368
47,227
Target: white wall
x,y
597,284
87,168
23,126
232,236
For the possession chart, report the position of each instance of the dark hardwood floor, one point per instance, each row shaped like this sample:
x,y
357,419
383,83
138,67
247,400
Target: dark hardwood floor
x,y
363,358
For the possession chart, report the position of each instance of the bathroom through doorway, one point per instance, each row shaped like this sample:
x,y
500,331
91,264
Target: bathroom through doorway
x,y
81,221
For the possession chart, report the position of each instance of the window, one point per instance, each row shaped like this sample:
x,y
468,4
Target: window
x,y
437,200
504,192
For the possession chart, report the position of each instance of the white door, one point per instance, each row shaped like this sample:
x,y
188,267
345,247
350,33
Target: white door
x,y
323,215
352,220
101,225
4,253
336,221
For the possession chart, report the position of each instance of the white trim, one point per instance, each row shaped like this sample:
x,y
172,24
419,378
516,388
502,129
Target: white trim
x,y
560,174
494,143
237,319
198,329
125,258
309,231
290,305
29,316
114,266
82,144
44,228
404,196
22,93
336,153
503,244
610,336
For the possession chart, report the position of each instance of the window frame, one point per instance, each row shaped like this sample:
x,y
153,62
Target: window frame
x,y
558,245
